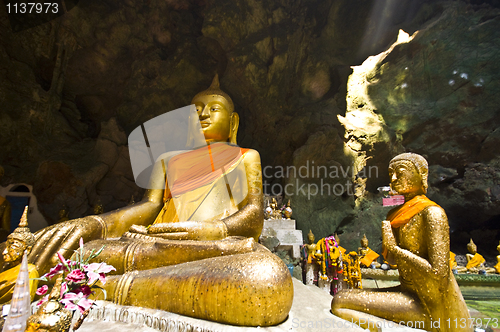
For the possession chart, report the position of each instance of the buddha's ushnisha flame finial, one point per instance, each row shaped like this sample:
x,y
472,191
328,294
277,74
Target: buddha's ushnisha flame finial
x,y
24,218
214,89
22,232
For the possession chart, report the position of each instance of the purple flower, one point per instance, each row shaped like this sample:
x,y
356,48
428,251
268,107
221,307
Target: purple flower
x,y
84,289
61,258
98,271
75,302
64,288
42,300
42,290
53,271
76,276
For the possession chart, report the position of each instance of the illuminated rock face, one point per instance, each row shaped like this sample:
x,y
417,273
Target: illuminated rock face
x,y
435,94
286,67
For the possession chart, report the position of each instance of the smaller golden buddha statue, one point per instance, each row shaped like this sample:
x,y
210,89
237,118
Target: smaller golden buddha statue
x,y
17,242
337,239
5,210
288,211
367,257
98,208
51,316
497,266
475,261
310,265
276,214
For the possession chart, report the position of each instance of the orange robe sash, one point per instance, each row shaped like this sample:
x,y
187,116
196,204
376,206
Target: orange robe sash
x,y
194,169
202,166
453,263
401,215
369,258
475,261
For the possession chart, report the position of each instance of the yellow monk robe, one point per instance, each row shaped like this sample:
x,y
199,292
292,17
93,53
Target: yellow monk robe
x,y
475,261
453,262
369,257
193,176
402,214
8,281
497,267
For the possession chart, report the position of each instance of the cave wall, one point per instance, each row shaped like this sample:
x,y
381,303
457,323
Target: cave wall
x,y
75,87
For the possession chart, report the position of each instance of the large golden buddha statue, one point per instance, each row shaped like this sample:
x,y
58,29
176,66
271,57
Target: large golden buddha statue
x,y
416,236
189,248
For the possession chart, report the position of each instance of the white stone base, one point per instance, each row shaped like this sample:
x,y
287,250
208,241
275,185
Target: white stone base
x,y
310,313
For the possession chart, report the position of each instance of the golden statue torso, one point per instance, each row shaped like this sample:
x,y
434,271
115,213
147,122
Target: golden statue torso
x,y
411,237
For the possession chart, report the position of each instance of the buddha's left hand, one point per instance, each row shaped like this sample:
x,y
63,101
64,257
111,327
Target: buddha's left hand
x,y
388,239
190,230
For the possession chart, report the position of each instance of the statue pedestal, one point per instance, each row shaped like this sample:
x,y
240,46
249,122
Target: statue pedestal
x,y
289,237
310,313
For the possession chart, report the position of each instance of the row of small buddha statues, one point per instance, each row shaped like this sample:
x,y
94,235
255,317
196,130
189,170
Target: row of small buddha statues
x,y
185,249
368,257
272,211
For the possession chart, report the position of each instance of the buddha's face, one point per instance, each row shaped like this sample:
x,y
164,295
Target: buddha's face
x,y
215,118
364,243
405,178
472,248
14,250
310,237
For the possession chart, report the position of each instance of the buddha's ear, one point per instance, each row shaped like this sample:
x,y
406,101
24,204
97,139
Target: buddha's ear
x,y
233,129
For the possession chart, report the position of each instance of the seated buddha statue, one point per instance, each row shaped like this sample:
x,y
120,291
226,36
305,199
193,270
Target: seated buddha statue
x,y
367,257
309,264
416,235
17,242
475,261
189,248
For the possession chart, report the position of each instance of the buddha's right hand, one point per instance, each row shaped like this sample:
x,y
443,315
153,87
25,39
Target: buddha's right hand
x,y
64,238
